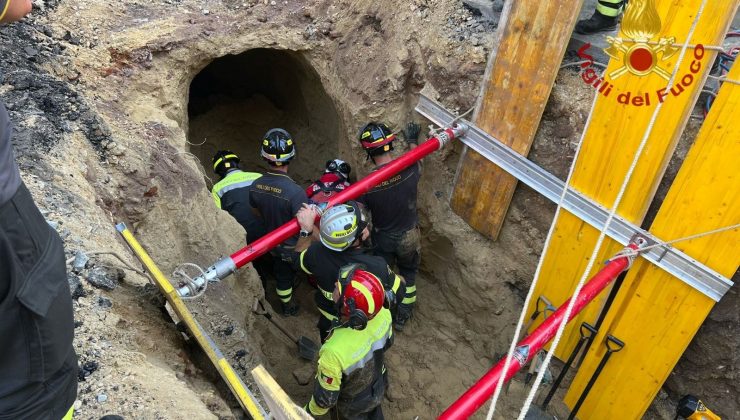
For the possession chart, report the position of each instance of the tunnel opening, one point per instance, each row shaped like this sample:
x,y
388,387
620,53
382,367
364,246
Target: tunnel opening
x,y
236,98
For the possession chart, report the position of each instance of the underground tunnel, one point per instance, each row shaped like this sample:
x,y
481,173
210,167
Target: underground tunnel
x,y
235,99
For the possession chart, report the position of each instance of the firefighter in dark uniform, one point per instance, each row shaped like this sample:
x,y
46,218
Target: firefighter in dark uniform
x,y
342,229
38,365
392,204
277,198
351,374
335,179
231,193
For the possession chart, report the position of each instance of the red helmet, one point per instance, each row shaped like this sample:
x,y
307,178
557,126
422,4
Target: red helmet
x,y
361,296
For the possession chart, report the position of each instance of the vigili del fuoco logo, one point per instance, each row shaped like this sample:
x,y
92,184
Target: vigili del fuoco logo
x,y
642,55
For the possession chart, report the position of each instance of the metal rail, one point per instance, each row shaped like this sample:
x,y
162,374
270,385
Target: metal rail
x,y
670,259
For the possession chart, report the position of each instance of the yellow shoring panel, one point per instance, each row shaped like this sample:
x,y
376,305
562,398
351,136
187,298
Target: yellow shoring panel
x,y
609,146
248,402
654,313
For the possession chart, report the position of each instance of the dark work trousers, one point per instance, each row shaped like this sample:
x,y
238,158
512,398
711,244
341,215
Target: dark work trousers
x,y
38,365
324,325
263,264
284,272
367,405
403,250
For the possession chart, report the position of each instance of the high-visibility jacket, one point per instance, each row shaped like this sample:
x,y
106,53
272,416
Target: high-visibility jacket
x,y
351,362
232,195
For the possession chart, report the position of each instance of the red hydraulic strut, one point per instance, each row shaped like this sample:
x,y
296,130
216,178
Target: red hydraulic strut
x,y
482,390
240,258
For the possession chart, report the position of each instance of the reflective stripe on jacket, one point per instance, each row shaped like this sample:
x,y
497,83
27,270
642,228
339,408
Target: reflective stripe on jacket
x,y
350,361
233,180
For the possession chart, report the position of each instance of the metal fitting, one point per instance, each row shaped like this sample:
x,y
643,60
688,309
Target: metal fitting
x,y
217,272
639,240
458,130
521,353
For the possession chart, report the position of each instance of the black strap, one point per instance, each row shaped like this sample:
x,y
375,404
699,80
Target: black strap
x,y
331,187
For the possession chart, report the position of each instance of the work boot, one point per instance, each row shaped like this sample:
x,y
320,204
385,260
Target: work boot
x,y
290,309
403,316
596,23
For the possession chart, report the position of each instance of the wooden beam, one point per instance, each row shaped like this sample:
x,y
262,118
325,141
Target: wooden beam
x,y
532,40
655,314
609,147
280,404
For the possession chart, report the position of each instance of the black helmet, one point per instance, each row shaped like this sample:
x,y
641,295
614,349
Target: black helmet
x,y
376,138
224,160
277,147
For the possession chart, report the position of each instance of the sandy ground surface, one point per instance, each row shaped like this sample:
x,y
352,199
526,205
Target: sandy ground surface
x,y
99,92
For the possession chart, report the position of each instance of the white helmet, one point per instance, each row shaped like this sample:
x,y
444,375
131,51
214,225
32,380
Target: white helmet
x,y
341,225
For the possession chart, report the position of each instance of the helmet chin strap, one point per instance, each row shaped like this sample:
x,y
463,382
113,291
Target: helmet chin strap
x,y
336,324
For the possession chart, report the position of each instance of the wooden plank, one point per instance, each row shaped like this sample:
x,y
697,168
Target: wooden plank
x,y
521,73
655,314
609,147
280,404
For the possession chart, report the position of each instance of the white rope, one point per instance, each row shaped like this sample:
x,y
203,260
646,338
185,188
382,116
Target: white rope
x,y
724,79
602,234
199,165
629,252
528,299
578,63
205,139
190,281
691,46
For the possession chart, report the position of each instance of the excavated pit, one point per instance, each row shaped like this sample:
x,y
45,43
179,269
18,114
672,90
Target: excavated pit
x,y
177,73
237,98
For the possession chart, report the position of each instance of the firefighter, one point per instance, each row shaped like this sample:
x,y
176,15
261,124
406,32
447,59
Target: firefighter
x,y
392,204
335,179
231,193
351,375
277,198
342,230
38,364
604,19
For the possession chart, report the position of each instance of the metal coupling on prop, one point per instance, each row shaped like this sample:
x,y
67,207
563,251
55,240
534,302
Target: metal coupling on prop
x,y
631,251
217,272
521,353
458,130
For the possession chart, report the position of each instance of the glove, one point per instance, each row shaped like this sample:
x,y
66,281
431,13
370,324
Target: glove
x,y
390,299
411,133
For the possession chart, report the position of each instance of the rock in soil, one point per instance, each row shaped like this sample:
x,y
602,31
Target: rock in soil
x,y
104,278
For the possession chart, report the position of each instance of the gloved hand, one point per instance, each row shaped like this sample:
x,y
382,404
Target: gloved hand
x,y
390,299
411,133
